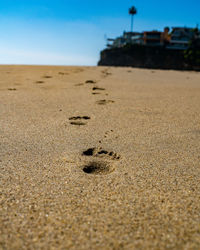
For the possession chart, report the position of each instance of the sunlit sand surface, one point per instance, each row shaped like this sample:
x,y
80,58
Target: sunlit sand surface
x,y
99,158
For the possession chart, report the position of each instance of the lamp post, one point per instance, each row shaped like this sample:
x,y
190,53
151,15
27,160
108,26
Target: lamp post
x,y
132,12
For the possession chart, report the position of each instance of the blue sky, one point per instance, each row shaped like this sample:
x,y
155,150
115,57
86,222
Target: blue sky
x,y
72,32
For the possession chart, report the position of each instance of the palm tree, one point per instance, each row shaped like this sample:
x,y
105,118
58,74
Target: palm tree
x,y
132,12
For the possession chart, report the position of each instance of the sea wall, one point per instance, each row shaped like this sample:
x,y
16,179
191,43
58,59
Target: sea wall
x,y
146,57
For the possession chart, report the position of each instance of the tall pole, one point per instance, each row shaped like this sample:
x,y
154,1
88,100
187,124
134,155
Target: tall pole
x,y
132,23
132,12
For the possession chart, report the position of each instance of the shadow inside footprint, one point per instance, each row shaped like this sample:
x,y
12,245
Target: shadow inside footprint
x,y
99,152
39,82
12,89
98,168
89,152
103,102
90,81
78,123
85,117
97,88
76,120
47,76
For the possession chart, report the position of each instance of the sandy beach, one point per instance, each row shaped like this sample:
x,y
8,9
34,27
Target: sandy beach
x,y
99,158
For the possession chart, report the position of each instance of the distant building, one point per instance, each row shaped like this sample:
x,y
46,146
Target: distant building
x,y
126,38
181,37
133,37
156,38
152,38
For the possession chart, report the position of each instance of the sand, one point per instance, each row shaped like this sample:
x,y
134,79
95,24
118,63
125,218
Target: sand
x,y
99,158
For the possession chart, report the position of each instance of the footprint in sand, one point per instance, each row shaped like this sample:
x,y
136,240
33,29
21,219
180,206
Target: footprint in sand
x,y
63,73
96,93
77,120
12,89
79,117
78,123
100,152
104,102
97,88
47,76
95,161
96,166
90,81
39,82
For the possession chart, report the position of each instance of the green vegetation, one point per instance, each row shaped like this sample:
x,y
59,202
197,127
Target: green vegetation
x,y
192,54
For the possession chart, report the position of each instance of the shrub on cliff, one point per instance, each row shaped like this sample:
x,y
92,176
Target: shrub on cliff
x,y
192,54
